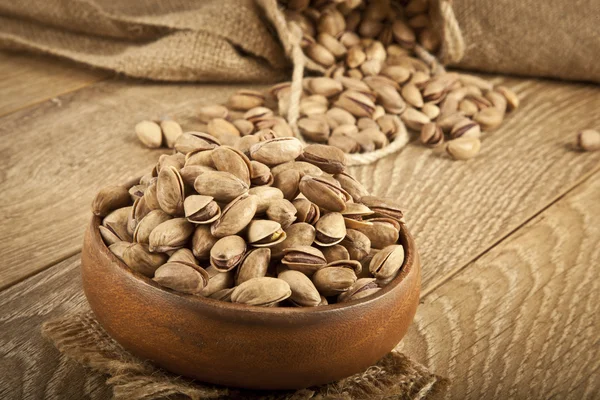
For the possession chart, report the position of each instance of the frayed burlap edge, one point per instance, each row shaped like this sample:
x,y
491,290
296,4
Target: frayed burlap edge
x,y
81,338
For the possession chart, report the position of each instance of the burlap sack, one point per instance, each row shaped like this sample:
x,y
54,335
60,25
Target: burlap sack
x,y
172,40
80,337
550,38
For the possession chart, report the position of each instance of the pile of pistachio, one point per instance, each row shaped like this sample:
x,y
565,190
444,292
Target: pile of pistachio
x,y
373,75
275,224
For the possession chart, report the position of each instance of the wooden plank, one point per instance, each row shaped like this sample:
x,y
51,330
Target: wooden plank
x,y
523,321
55,158
456,210
27,79
29,365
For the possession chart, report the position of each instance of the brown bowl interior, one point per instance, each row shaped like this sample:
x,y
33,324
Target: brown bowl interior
x,y
244,346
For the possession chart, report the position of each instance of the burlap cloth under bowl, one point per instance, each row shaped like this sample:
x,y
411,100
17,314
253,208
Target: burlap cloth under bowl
x,y
81,338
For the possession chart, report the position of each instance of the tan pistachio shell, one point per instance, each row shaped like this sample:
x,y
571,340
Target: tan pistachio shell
x,y
202,157
323,193
303,167
109,199
288,182
276,151
189,141
233,161
263,292
222,186
260,174
217,281
184,255
142,231
265,195
298,234
201,209
191,172
329,159
170,235
265,233
306,211
141,260
336,252
117,222
202,242
227,252
386,263
357,244
170,191
331,281
362,288
254,265
108,236
304,292
182,277
149,133
283,212
118,249
306,259
330,229
352,186
236,216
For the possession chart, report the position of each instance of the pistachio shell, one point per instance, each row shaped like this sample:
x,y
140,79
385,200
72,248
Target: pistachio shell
x,y
233,161
190,141
116,222
298,234
260,174
386,264
108,236
331,281
276,151
381,233
352,186
201,157
354,265
357,243
300,166
254,265
362,288
223,295
222,186
202,242
304,292
170,235
171,131
217,281
184,255
305,259
227,252
324,194
141,260
201,209
265,195
336,252
149,133
263,291
142,231
206,113
330,229
282,211
306,211
383,207
182,277
170,191
236,216
118,249
327,158
109,199
288,182
191,172
265,233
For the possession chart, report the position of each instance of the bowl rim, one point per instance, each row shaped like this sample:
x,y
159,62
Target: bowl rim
x,y
405,239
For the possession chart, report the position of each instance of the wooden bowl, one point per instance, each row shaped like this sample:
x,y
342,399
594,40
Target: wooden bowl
x,y
243,346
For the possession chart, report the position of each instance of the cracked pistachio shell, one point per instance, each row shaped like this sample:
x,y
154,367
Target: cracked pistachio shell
x,y
304,292
191,172
288,182
138,211
386,263
258,114
260,174
363,287
182,277
265,233
235,217
202,242
171,131
306,259
276,151
223,295
170,191
298,234
327,158
151,197
356,103
190,141
170,235
330,229
306,211
300,166
201,209
109,199
218,280
184,255
227,253
142,231
357,244
323,193
331,281
283,212
108,236
222,186
265,195
382,232
336,252
141,260
149,133
136,191
233,161
244,143
176,160
263,292
352,186
354,265
200,157
116,222
356,211
383,207
118,249
254,265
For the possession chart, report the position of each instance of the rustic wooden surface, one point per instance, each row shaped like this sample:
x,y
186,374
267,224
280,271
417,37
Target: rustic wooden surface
x,y
509,240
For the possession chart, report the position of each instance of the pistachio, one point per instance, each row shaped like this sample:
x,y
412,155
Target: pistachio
x,y
260,174
184,255
381,231
314,129
463,148
258,114
206,113
138,211
325,86
330,229
149,133
170,191
498,101
403,34
118,249
362,288
227,253
265,233
254,265
301,166
512,100
141,260
276,151
263,292
283,212
344,142
171,131
221,128
489,118
390,125
233,161
431,110
298,234
244,126
201,209
146,225
246,99
304,292
182,277
116,222
288,182
465,128
170,235
202,242
305,259
414,119
588,140
412,95
176,161
108,236
222,186
190,141
191,172
200,157
223,295
135,192
352,186
432,135
357,244
335,253
319,54
244,143
306,211
323,193
236,216
109,199
383,207
356,103
265,195
331,281
386,263
327,158
217,281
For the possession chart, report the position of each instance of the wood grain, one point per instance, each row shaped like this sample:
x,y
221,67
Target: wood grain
x,y
30,367
27,79
458,210
55,158
523,321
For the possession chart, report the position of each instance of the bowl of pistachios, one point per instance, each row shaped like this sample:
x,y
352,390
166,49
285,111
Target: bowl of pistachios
x,y
264,268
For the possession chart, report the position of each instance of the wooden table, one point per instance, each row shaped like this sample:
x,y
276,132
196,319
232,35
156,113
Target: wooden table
x,y
510,241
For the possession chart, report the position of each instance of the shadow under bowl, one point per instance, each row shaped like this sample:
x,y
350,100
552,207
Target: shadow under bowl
x,y
244,346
